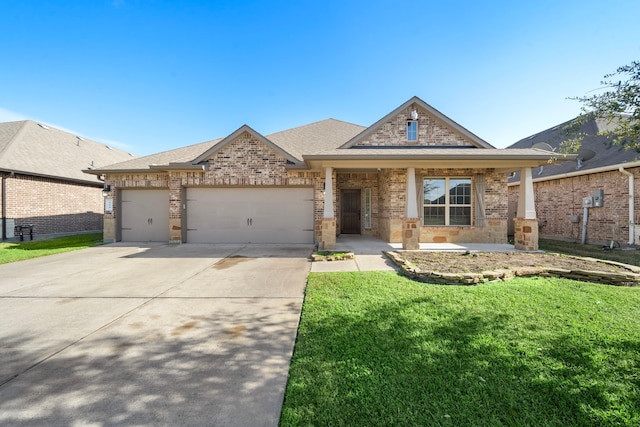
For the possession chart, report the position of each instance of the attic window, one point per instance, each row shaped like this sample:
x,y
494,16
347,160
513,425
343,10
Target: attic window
x,y
43,126
412,130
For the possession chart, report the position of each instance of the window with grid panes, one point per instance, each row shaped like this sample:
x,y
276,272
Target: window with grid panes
x,y
447,201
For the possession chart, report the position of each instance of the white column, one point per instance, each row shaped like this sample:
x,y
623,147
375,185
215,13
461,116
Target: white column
x,y
526,199
328,193
411,210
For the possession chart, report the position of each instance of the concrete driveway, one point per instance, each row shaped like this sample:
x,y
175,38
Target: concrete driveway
x,y
122,335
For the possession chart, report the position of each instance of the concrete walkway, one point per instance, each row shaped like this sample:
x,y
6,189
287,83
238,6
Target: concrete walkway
x,y
369,253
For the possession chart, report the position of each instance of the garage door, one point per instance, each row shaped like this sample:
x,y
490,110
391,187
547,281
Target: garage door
x,y
250,215
145,215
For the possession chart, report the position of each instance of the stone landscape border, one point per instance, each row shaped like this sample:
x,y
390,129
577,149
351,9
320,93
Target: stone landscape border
x,y
632,278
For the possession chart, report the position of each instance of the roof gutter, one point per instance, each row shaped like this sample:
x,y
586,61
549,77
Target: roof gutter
x,y
4,205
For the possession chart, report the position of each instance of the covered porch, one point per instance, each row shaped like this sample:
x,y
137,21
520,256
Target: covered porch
x,y
389,205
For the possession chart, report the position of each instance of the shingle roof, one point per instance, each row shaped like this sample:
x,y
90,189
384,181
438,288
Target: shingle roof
x,y
178,155
311,138
32,148
605,154
316,137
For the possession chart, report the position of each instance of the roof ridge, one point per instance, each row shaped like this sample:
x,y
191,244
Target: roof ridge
x,y
313,123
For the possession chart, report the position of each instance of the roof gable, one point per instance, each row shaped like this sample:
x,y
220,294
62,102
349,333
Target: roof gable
x,y
224,142
32,148
434,129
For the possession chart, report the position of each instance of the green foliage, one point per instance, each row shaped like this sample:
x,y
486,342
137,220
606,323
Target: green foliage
x,y
618,105
18,251
378,349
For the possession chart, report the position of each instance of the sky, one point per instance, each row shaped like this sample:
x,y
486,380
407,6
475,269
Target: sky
x,y
149,75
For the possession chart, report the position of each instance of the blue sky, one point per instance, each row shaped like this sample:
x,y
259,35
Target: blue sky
x,y
148,76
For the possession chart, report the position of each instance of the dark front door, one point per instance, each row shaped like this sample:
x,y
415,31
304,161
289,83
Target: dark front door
x,y
350,218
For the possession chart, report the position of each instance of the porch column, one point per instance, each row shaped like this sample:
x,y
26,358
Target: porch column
x,y
526,223
328,232
411,221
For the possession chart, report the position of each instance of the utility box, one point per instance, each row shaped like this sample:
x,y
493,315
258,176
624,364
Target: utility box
x,y
598,198
587,202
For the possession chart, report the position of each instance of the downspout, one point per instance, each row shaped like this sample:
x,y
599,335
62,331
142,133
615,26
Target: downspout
x,y
631,204
4,207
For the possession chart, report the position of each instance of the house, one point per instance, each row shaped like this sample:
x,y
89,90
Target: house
x,y
413,176
603,176
42,183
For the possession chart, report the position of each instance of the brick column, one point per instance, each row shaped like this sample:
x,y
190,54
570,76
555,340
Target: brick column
x,y
175,208
328,236
411,234
526,234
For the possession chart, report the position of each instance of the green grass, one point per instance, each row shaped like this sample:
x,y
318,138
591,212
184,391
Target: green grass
x,y
376,349
594,251
18,251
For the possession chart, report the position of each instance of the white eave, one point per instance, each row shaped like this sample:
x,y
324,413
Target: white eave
x,y
505,160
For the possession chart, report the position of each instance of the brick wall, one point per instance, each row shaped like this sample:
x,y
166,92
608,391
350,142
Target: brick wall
x,y
53,206
557,200
431,132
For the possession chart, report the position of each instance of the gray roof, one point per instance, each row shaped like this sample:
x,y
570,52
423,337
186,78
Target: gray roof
x,y
178,155
332,139
316,137
604,153
31,148
311,138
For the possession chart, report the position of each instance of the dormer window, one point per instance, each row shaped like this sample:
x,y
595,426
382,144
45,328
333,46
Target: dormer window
x,y
412,130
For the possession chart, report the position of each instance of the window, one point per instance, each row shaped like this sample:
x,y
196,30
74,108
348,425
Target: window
x,y
447,201
412,130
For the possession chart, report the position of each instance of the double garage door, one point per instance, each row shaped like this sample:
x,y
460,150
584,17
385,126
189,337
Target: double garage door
x,y
222,215
249,215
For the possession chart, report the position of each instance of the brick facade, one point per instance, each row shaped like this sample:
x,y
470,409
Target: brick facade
x,y
558,200
247,162
431,132
52,206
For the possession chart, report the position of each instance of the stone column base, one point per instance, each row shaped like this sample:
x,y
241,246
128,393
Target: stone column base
x,y
411,234
175,232
109,230
526,234
328,236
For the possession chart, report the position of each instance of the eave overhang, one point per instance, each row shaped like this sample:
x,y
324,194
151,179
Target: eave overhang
x,y
485,159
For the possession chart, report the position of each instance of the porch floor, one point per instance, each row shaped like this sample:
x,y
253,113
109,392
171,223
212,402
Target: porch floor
x,y
371,245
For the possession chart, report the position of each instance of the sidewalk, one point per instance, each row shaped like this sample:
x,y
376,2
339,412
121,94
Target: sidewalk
x,y
369,256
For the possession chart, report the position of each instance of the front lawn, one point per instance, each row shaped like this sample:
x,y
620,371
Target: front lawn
x,y
378,349
18,251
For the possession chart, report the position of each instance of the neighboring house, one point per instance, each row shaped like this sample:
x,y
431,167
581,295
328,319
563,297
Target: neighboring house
x,y
42,183
414,176
601,168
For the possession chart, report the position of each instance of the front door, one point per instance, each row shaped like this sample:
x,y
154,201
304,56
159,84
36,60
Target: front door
x,y
350,212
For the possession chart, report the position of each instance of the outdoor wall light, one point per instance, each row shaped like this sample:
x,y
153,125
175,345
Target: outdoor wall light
x,y
106,190
414,114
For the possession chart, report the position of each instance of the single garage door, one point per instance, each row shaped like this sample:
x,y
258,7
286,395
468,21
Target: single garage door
x,y
145,215
249,215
